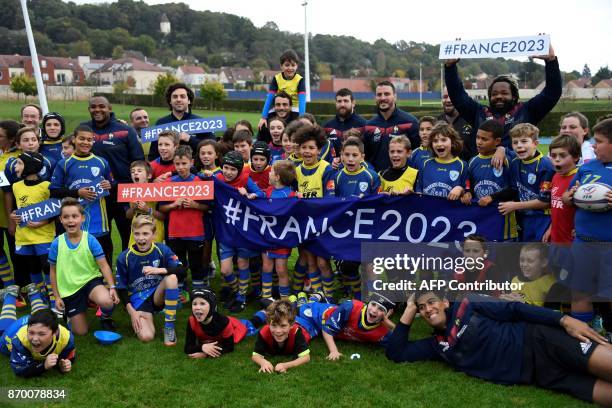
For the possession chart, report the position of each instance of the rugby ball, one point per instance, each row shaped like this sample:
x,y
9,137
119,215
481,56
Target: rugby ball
x,y
592,197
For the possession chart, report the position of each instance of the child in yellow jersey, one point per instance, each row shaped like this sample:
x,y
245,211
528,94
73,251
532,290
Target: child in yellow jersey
x,y
141,172
535,279
315,179
33,238
398,179
8,132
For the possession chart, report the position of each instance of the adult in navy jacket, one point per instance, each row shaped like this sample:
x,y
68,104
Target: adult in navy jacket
x,y
119,145
389,122
346,118
179,98
508,343
503,93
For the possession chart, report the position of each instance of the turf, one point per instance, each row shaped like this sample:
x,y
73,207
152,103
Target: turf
x,y
132,374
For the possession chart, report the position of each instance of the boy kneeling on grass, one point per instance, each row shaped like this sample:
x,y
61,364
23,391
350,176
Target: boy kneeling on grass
x,y
78,265
281,336
147,277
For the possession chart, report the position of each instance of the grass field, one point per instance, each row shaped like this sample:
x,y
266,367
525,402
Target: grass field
x,y
131,374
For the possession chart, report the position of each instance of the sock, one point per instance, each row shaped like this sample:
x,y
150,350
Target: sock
x,y
298,277
315,280
197,284
6,274
586,317
244,276
230,280
106,313
256,282
328,285
266,280
170,303
283,291
37,302
354,283
9,312
50,295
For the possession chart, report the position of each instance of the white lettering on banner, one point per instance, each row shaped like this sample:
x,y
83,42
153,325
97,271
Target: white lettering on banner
x,y
416,227
495,47
192,126
196,190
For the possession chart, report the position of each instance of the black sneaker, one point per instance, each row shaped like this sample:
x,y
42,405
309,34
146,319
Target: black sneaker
x,y
226,294
265,302
237,306
108,324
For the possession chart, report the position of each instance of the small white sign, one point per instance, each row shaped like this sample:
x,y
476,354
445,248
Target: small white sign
x,y
495,47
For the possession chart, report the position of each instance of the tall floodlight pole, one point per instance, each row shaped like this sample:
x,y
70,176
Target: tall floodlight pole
x,y
306,62
40,86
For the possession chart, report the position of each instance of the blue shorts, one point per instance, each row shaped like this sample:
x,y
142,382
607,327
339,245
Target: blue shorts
x,y
209,229
10,332
79,300
591,270
229,252
36,249
310,317
533,227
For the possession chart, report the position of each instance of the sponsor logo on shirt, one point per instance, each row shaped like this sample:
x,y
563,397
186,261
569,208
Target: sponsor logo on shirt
x,y
531,178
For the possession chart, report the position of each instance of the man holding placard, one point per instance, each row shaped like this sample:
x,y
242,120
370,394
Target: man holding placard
x,y
179,98
503,94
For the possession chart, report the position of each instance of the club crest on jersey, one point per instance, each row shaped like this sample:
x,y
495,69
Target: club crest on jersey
x,y
376,135
454,175
95,171
333,132
531,178
363,186
42,171
156,263
110,135
498,172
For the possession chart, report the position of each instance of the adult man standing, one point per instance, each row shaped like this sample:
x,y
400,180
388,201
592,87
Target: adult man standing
x,y
282,109
451,116
179,98
139,119
508,343
31,115
503,93
390,121
119,145
346,118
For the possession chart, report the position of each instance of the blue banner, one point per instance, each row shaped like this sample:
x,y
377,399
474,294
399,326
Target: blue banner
x,y
193,126
334,227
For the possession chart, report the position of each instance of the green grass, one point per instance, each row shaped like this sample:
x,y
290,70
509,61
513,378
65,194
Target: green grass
x,y
131,374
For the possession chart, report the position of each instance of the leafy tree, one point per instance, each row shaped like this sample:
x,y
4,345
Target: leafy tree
x,y
161,83
603,73
25,85
82,47
212,92
118,52
145,44
586,71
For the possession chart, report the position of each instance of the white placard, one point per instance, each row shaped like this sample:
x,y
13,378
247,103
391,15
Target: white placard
x,y
495,47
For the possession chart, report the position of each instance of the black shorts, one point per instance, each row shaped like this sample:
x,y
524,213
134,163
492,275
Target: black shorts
x,y
150,306
554,360
78,301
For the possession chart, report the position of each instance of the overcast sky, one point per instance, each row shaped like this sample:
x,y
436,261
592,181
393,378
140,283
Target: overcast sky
x,y
580,30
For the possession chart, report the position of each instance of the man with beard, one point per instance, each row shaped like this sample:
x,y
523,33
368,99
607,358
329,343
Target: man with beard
x,y
139,119
179,98
119,145
282,110
451,116
503,93
389,122
346,118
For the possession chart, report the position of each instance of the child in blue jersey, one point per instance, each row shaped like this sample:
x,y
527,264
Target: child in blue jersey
x,y
592,271
186,224
532,174
400,178
67,146
327,152
141,172
288,81
445,174
354,181
53,129
282,177
33,238
234,290
85,175
423,152
277,128
281,336
315,179
78,266
147,280
37,343
488,183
